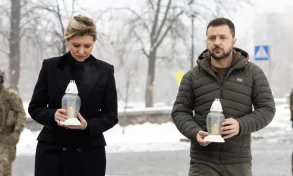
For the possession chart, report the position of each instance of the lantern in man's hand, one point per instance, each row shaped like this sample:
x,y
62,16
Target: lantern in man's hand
x,y
214,122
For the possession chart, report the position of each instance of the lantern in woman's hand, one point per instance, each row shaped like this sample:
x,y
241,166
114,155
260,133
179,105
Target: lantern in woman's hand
x,y
214,122
71,103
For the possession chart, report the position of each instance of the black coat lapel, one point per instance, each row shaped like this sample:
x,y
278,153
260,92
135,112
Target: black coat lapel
x,y
63,73
89,78
63,77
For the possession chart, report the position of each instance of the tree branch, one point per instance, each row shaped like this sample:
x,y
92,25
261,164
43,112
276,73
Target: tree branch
x,y
155,23
152,4
142,44
167,30
120,94
4,35
28,12
133,12
5,11
164,20
4,51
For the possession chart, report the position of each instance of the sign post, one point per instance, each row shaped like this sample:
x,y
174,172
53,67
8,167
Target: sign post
x,y
262,53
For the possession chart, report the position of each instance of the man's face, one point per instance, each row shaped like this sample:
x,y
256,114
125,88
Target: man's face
x,y
220,42
81,47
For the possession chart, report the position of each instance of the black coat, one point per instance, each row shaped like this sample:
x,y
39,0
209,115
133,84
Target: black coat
x,y
97,91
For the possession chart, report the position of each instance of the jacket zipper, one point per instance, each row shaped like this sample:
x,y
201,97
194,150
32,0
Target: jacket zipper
x,y
221,82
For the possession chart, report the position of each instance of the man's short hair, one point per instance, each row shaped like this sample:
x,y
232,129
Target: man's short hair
x,y
221,22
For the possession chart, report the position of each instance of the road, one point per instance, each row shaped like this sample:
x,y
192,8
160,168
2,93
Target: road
x,y
269,159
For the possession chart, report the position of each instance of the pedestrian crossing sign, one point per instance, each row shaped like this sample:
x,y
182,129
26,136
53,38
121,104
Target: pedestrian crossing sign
x,y
261,52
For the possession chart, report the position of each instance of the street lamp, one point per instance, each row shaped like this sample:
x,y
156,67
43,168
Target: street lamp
x,y
192,40
190,11
192,14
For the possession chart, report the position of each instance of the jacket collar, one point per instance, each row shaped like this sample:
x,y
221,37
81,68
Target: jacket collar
x,y
89,77
67,59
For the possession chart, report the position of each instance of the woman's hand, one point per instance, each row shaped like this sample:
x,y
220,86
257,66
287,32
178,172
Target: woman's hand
x,y
82,126
60,116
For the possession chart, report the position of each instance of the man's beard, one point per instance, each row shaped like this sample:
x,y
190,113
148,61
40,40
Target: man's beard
x,y
220,57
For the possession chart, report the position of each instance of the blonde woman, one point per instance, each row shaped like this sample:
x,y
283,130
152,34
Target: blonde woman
x,y
74,150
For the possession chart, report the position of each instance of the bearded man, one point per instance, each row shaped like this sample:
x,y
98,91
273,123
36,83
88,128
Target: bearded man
x,y
224,72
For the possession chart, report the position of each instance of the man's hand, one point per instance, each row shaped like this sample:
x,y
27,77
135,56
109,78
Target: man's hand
x,y
230,128
82,126
200,138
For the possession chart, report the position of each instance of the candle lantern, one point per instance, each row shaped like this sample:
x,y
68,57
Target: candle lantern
x,y
71,103
214,122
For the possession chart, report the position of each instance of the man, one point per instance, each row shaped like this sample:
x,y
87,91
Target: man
x,y
12,118
223,72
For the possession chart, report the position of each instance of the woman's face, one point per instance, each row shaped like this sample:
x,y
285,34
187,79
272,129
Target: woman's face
x,y
81,47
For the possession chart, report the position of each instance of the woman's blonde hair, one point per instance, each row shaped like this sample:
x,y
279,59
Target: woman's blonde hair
x,y
79,26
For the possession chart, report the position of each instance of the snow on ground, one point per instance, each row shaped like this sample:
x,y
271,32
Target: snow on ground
x,y
279,127
158,137
136,138
145,137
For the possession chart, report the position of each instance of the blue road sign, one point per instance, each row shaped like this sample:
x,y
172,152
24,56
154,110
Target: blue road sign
x,y
261,52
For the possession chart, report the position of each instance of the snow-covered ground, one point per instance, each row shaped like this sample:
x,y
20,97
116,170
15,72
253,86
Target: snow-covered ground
x,y
159,137
145,137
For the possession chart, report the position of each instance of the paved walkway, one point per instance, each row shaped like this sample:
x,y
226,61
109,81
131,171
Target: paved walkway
x,y
269,159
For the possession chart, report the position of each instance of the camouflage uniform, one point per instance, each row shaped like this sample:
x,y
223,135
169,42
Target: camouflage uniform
x,y
12,118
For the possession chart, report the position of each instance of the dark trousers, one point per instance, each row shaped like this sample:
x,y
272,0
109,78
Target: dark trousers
x,y
52,161
211,169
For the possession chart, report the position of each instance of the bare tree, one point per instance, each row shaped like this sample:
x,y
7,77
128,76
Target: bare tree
x,y
14,44
150,28
28,23
18,14
123,46
58,14
129,74
160,23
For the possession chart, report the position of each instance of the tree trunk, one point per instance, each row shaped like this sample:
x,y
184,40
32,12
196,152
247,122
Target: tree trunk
x,y
14,44
150,88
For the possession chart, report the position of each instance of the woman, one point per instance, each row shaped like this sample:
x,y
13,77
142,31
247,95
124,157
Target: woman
x,y
74,150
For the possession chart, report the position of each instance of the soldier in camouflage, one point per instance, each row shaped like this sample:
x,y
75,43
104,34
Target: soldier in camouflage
x,y
12,118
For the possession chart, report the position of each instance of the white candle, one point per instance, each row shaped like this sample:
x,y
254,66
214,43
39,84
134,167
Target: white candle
x,y
215,129
70,112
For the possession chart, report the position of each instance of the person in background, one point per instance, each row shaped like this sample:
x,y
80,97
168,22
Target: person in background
x,y
74,150
224,72
12,119
291,105
291,112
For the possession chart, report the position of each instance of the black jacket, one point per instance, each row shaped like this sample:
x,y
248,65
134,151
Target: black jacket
x,y
97,91
245,86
